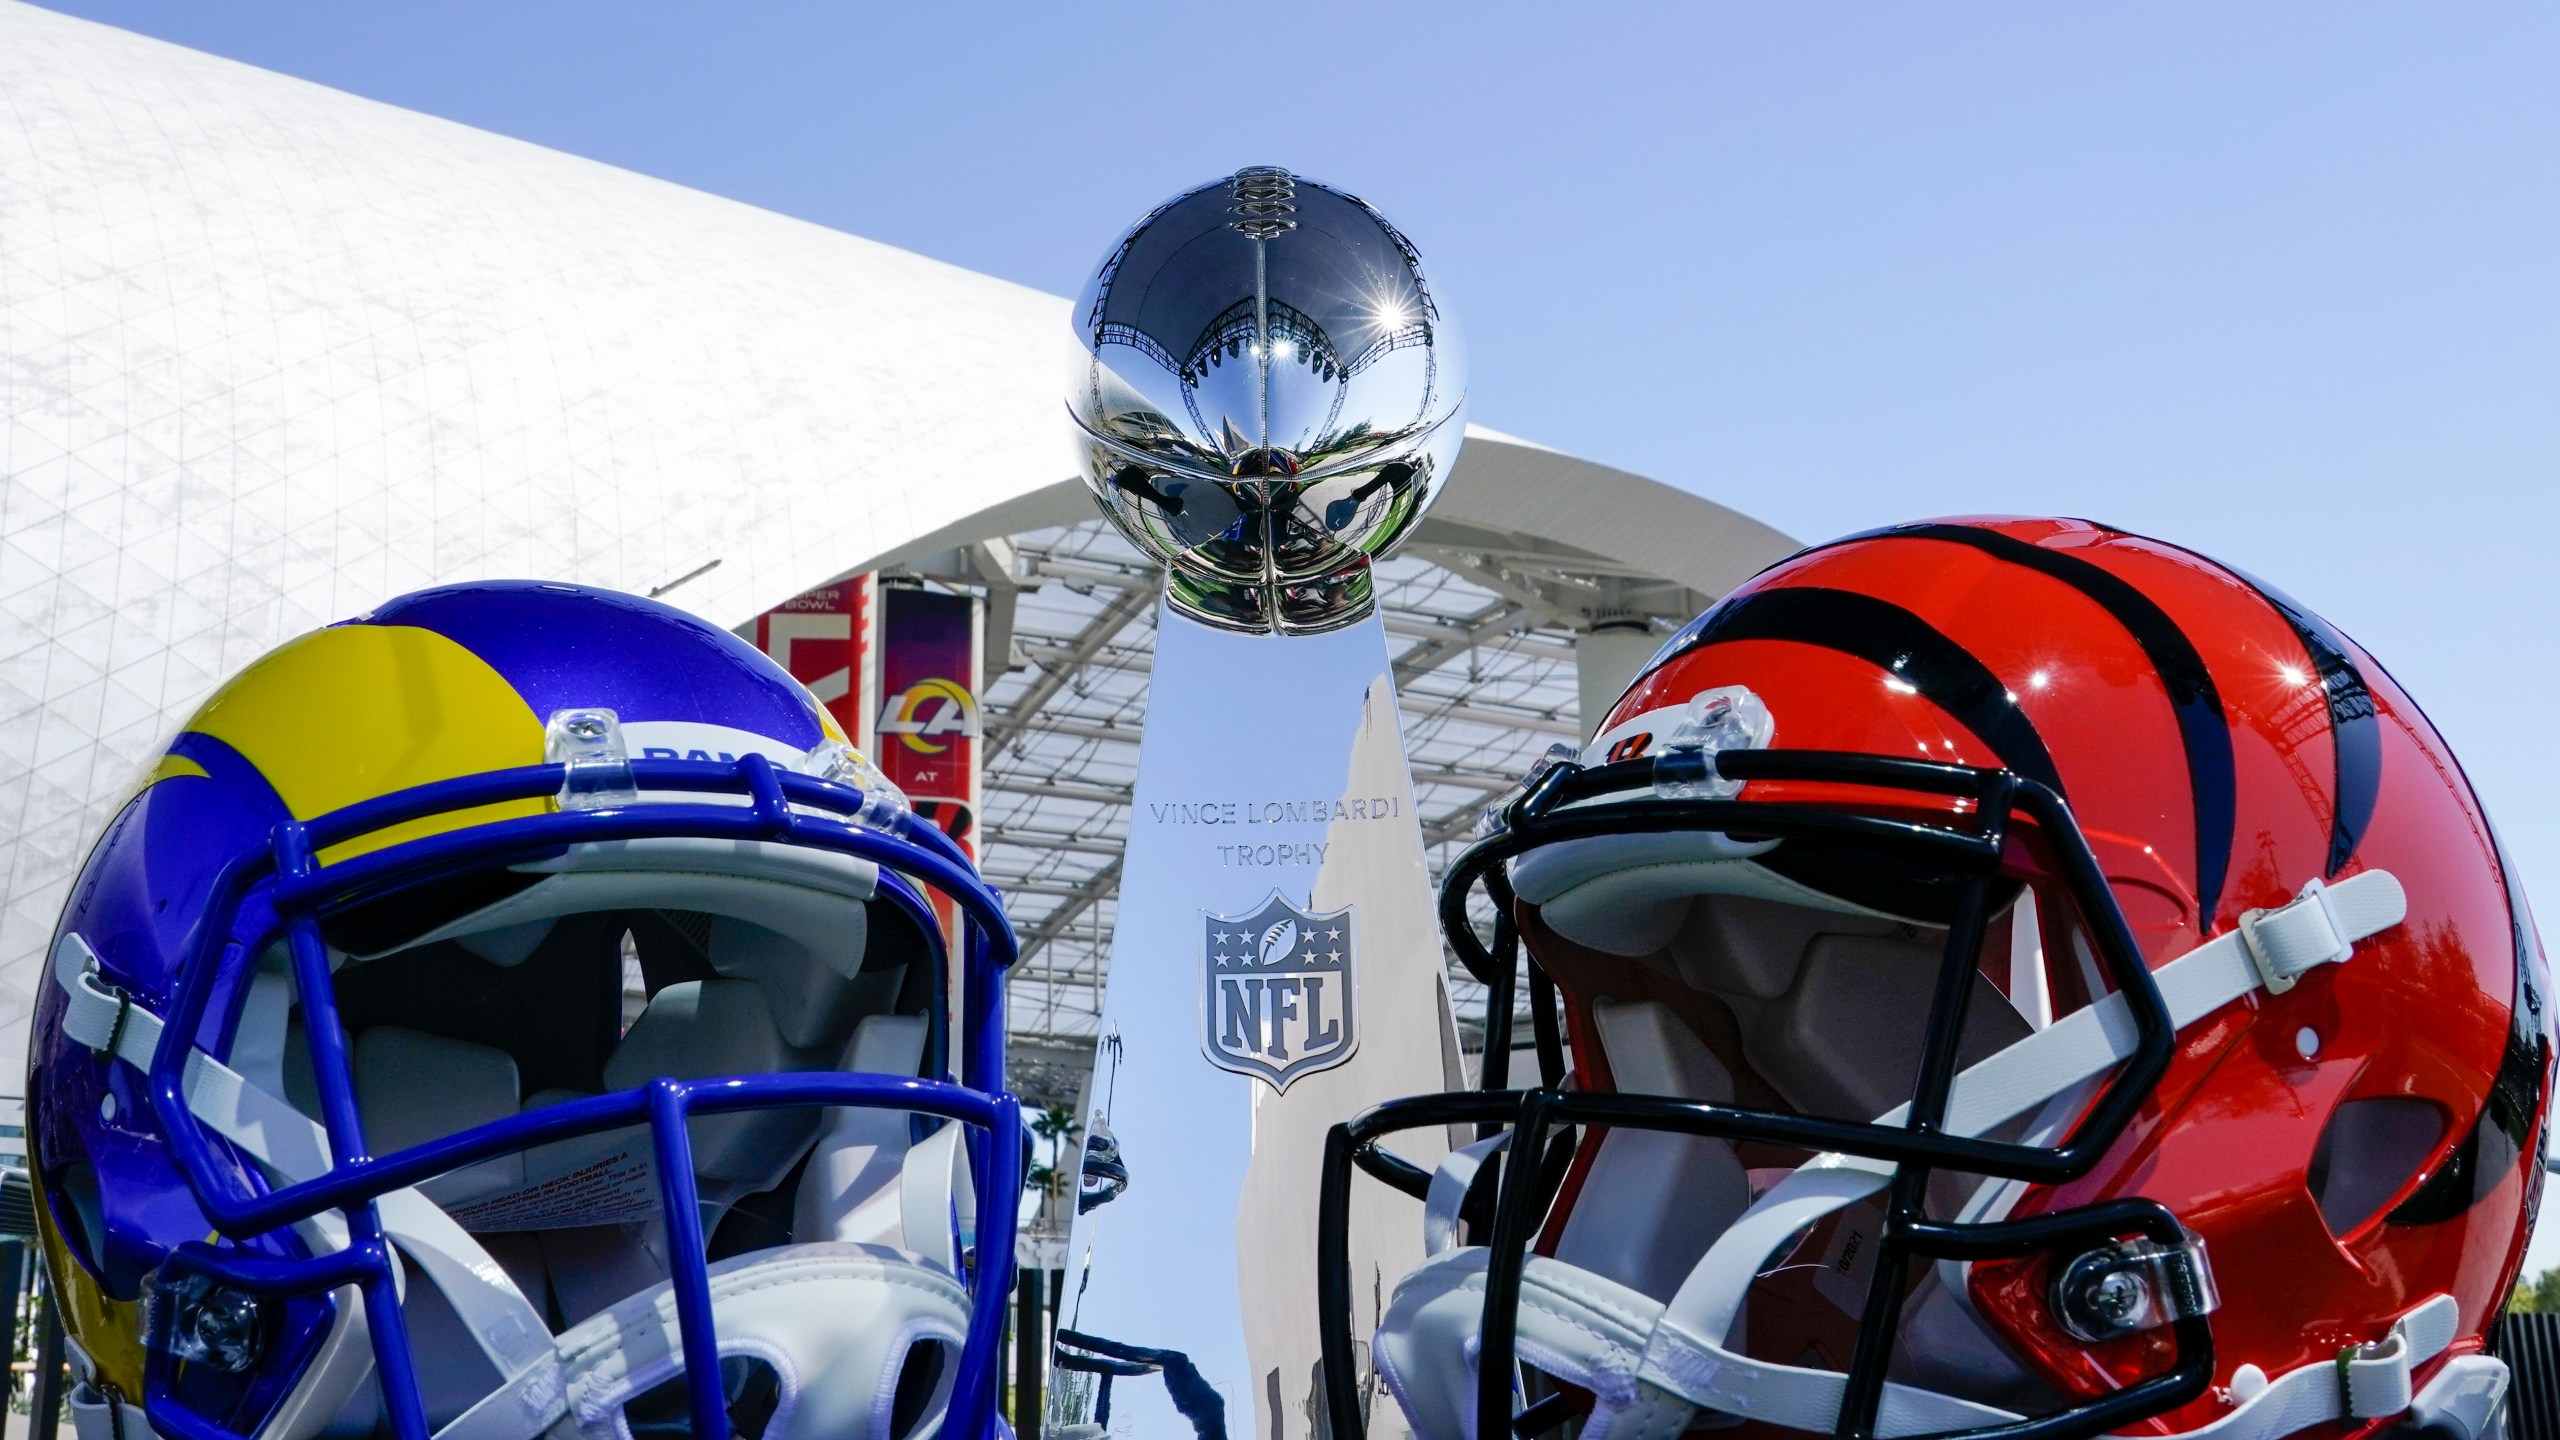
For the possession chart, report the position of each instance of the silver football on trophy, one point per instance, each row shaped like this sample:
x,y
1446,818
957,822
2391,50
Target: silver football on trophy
x,y
1269,398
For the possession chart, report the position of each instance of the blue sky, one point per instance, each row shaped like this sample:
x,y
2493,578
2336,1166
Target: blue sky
x,y
2280,282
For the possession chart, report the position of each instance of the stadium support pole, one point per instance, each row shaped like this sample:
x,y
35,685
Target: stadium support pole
x,y
45,1422
1029,1344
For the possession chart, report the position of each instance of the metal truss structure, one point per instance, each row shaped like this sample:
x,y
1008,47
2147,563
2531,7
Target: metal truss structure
x,y
1485,631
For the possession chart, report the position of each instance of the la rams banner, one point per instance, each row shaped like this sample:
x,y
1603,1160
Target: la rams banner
x,y
927,728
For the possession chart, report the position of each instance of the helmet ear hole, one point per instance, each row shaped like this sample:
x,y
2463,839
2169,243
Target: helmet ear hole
x,y
750,1391
76,1190
2369,1151
919,1383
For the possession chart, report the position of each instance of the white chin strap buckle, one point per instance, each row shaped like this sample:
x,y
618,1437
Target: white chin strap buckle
x,y
2289,941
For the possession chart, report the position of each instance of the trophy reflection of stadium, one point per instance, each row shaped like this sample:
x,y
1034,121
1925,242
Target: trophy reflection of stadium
x,y
467,357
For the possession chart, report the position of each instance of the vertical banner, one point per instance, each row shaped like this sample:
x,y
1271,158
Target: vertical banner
x,y
828,639
928,722
927,725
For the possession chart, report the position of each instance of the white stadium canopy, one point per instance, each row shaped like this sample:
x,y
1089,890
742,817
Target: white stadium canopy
x,y
271,353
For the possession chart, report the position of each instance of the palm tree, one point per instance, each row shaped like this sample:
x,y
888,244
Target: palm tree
x,y
1057,1125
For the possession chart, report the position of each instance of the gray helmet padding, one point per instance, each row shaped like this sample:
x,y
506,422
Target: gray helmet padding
x,y
1628,894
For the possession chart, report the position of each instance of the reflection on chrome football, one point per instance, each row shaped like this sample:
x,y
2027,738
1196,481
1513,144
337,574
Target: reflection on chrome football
x,y
1269,398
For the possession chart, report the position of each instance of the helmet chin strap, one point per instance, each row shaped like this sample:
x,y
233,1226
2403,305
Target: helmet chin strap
x,y
1650,1365
2270,949
834,1320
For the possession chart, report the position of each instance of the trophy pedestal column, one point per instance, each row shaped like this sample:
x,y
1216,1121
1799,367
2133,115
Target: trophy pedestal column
x,y
1276,968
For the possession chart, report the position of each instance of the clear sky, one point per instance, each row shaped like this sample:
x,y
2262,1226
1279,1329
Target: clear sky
x,y
2278,281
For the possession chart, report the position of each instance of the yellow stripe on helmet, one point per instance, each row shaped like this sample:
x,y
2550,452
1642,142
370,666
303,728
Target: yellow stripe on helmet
x,y
358,711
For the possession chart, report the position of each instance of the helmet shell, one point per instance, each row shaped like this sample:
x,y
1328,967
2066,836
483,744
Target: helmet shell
x,y
2219,745
436,685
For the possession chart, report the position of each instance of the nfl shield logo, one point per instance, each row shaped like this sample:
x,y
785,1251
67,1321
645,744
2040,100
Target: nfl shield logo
x,y
1276,1000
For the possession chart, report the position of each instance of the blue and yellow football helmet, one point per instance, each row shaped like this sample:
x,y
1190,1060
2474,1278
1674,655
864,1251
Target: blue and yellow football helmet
x,y
518,1012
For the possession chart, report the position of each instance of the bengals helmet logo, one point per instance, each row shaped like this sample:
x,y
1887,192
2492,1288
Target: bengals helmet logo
x,y
1630,747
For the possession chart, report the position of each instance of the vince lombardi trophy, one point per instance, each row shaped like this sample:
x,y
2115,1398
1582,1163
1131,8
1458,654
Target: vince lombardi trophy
x,y
1268,399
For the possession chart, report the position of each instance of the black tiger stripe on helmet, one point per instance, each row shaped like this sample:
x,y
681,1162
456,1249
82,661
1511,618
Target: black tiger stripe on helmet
x,y
1892,639
2204,729
2354,723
